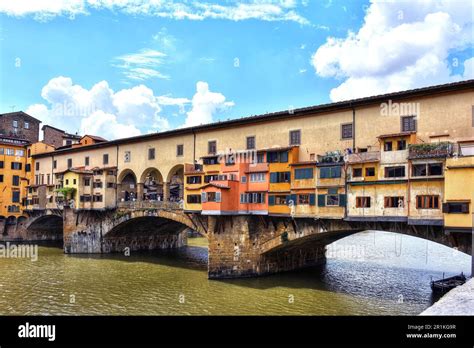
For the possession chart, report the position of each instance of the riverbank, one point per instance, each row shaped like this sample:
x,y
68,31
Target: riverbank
x,y
459,301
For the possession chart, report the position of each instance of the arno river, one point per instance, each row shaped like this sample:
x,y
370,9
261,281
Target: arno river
x,y
371,273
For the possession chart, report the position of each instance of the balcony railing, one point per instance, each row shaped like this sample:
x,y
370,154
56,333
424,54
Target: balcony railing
x,y
150,205
363,157
430,150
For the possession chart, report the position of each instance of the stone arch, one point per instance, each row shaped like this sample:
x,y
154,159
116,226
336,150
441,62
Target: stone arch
x,y
127,185
148,231
45,227
175,183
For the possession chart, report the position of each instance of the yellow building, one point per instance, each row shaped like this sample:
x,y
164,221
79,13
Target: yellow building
x,y
330,186
303,188
459,189
280,159
12,176
193,179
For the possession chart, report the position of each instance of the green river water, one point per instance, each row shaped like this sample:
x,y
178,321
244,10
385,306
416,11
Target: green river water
x,y
371,273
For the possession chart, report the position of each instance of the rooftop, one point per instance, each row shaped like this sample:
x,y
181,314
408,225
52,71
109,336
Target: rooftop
x,y
300,112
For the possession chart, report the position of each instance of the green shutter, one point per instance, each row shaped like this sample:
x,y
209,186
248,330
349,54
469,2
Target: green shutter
x,y
218,197
321,200
342,200
336,172
271,200
312,198
273,177
293,198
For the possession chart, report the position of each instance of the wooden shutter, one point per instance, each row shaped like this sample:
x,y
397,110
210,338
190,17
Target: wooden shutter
x,y
342,200
312,198
321,200
203,197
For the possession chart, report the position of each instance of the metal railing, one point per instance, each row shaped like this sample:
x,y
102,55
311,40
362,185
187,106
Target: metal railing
x,y
165,205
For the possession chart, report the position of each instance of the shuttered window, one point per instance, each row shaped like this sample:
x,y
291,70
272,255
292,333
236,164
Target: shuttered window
x,y
408,124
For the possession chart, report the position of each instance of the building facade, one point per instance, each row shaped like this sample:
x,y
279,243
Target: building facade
x,y
392,157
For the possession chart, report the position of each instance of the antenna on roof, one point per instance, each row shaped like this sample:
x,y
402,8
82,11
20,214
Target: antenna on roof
x,y
13,107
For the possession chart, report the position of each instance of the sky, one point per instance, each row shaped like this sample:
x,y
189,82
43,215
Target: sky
x,y
129,67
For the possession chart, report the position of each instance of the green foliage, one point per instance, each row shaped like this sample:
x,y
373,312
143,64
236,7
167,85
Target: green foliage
x,y
66,191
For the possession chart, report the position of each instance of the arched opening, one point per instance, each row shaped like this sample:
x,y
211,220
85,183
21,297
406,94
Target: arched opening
x,y
146,233
46,228
152,182
175,181
9,225
128,186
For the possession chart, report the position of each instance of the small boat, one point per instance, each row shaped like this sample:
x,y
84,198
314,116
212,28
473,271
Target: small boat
x,y
446,284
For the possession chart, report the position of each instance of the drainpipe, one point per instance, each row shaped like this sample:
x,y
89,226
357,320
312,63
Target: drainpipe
x,y
194,147
353,129
116,177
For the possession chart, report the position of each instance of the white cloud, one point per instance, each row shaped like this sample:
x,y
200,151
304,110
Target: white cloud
x,y
205,104
99,110
399,46
141,65
266,10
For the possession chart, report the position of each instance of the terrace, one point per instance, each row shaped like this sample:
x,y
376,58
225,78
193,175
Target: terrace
x,y
430,150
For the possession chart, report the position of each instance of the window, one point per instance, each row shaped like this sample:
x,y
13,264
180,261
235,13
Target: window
x,y
27,167
346,131
330,172
16,165
16,197
1,164
387,146
193,179
426,169
211,147
401,145
37,166
356,172
456,207
68,142
97,198
1,177
427,202
209,178
15,180
393,202
69,163
394,172
15,124
179,150
9,152
362,202
275,157
408,124
27,125
243,179
332,200
127,156
255,197
213,196
257,177
110,185
193,199
250,143
295,137
20,153
280,200
55,164
74,181
210,160
85,198
87,182
280,177
304,173
151,153
86,161
303,199
260,157
370,171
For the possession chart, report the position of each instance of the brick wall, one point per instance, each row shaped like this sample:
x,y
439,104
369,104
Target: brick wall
x,y
53,136
31,133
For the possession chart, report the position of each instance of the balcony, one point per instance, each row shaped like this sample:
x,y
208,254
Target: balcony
x,y
430,150
364,157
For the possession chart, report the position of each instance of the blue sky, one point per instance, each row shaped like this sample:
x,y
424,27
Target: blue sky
x,y
120,70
